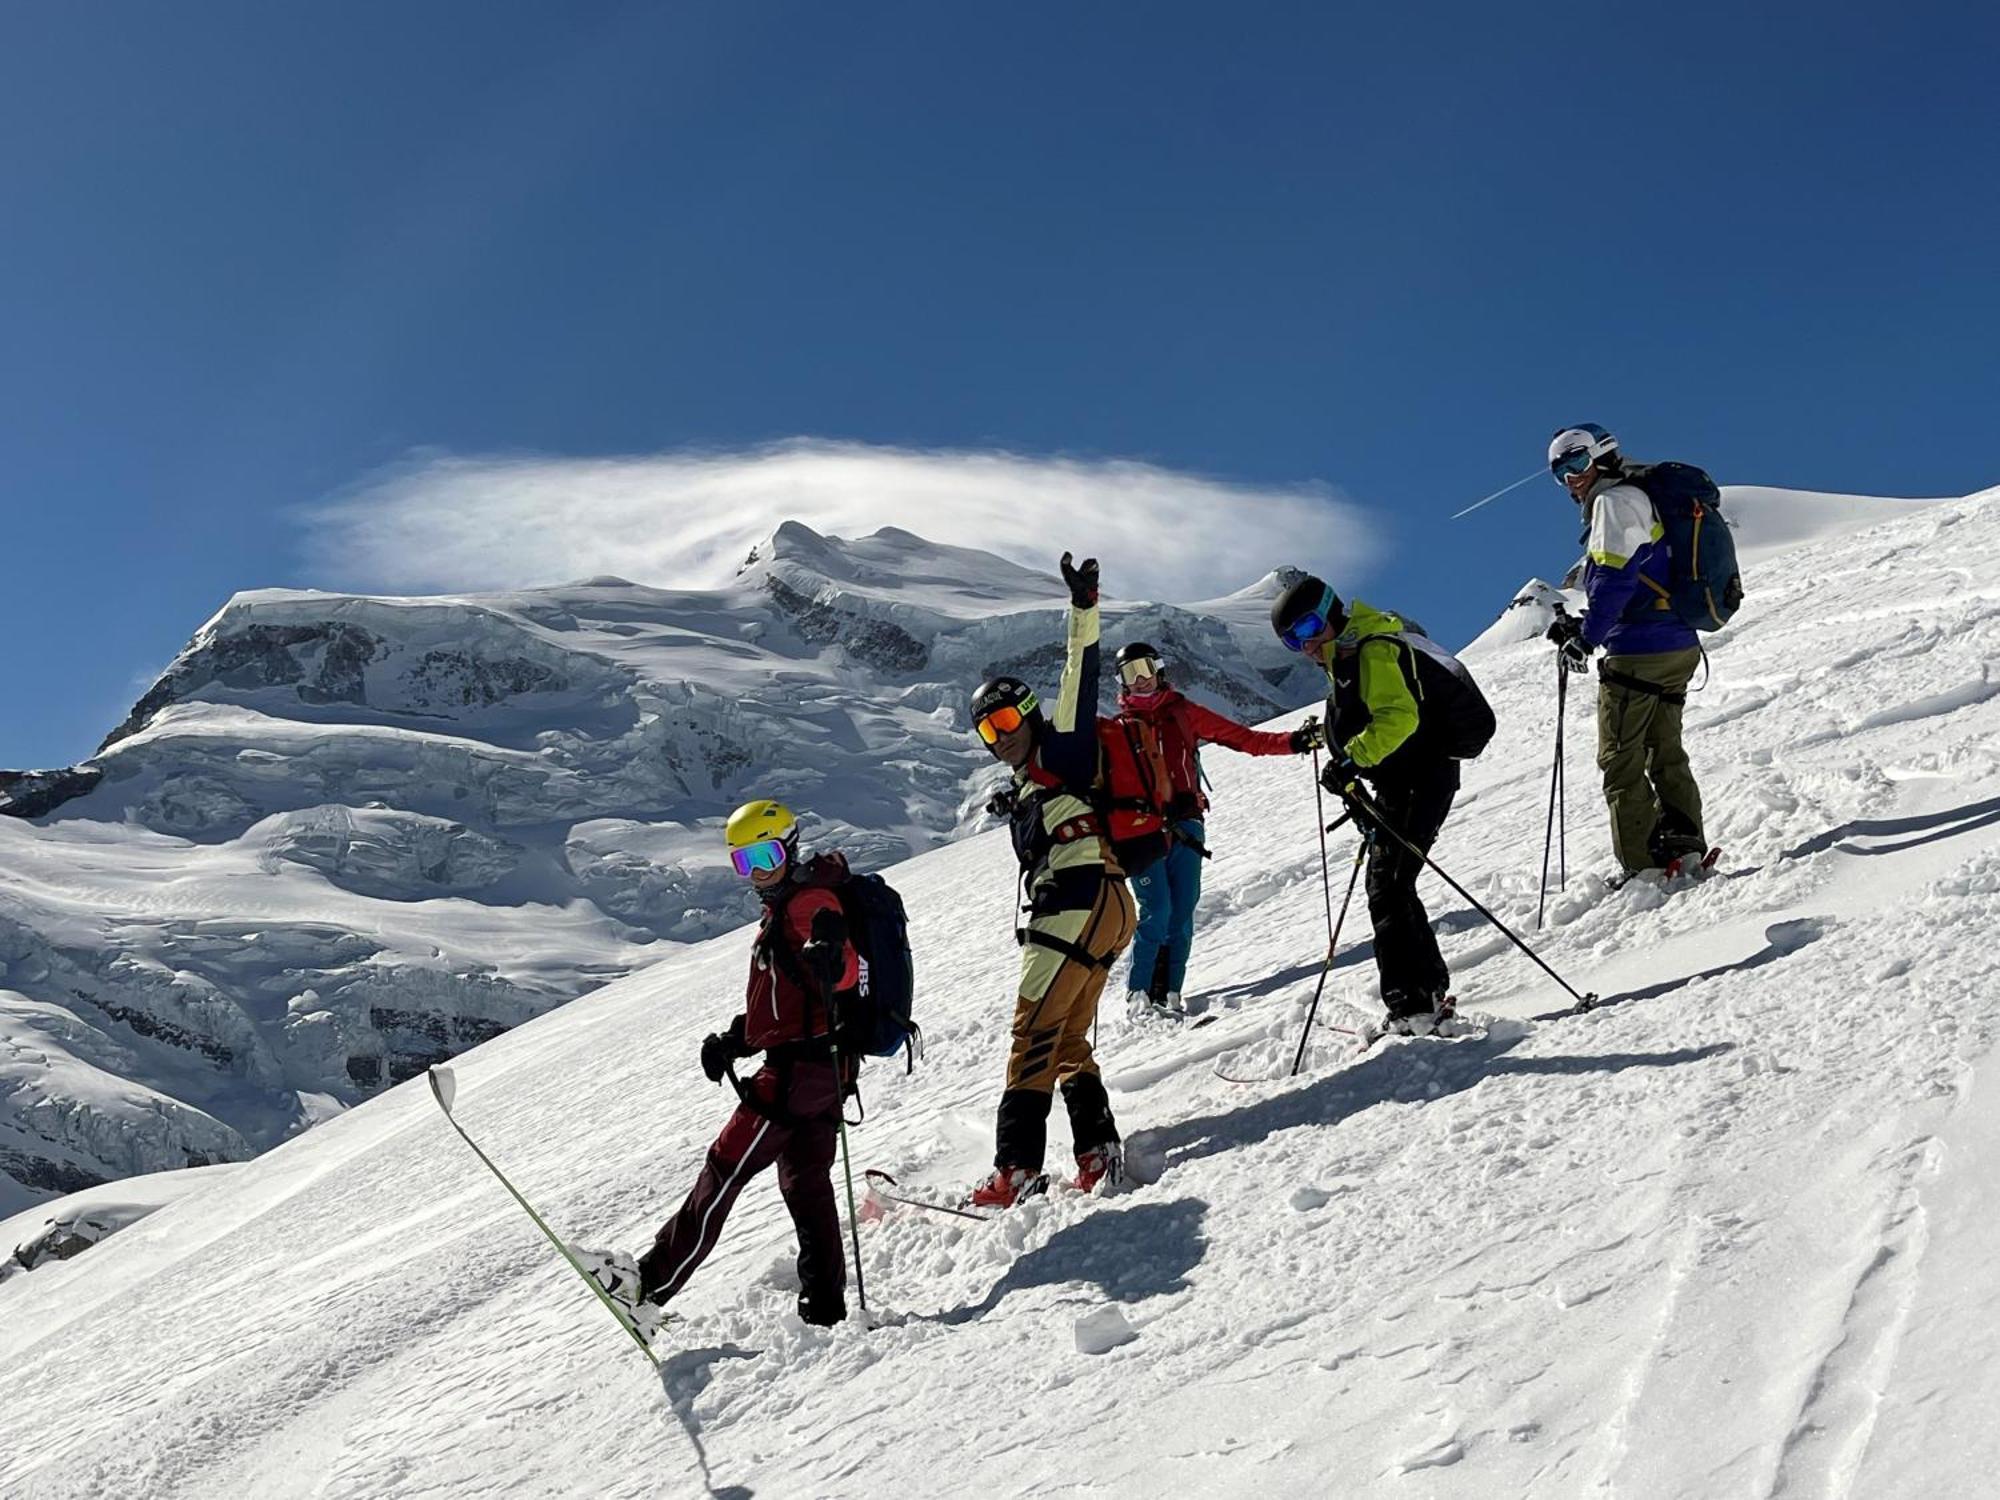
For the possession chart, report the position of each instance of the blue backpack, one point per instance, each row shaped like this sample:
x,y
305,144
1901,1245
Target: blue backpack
x,y
1706,585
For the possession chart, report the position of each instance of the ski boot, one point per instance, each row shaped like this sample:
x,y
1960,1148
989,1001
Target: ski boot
x,y
1008,1186
1429,1020
1101,1164
1694,863
822,1311
618,1274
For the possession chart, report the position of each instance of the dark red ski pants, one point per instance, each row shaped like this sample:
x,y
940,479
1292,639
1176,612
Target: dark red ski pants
x,y
801,1140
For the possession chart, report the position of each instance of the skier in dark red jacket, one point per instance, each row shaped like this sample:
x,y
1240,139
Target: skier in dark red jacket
x,y
790,1109
1169,890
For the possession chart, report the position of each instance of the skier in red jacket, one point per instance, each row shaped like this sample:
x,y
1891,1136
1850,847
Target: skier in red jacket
x,y
1169,890
790,1110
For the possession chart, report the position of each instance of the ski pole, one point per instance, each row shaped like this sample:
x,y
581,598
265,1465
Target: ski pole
x,y
1370,813
1332,941
1562,784
826,993
1555,783
1325,880
847,1168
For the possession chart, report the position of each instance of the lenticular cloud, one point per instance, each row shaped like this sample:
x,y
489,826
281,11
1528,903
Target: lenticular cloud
x,y
686,520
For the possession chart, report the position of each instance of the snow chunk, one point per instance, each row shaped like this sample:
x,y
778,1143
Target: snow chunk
x,y
1102,1331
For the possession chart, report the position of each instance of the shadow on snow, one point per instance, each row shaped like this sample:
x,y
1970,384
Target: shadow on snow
x,y
1933,826
1781,940
1128,1254
1380,1078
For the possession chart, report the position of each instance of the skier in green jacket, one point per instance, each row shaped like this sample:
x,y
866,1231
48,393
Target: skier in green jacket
x,y
1400,715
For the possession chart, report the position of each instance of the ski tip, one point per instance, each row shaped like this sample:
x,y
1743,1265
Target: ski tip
x,y
444,1084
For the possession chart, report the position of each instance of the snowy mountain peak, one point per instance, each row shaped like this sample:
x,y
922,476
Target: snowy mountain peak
x,y
898,567
344,836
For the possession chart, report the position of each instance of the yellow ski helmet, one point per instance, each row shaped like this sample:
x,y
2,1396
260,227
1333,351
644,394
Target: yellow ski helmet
x,y
754,822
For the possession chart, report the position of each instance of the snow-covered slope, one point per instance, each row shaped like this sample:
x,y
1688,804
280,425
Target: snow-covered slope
x,y
344,837
1730,1236
1769,521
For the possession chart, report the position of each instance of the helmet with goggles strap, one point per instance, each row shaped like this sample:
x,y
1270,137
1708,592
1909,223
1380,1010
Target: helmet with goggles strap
x,y
1307,609
1583,446
1137,660
1002,705
762,835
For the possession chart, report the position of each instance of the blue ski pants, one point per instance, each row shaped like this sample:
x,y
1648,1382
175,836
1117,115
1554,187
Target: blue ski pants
x,y
1167,895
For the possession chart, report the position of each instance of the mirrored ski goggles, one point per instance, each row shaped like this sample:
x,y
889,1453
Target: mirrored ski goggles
x,y
1005,720
765,854
1303,629
1138,667
1563,465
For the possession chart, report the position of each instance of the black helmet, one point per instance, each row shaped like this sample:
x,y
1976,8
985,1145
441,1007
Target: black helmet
x,y
1308,596
1005,692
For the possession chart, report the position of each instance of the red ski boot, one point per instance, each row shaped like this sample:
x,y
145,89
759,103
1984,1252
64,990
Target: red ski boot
x,y
1008,1186
1105,1164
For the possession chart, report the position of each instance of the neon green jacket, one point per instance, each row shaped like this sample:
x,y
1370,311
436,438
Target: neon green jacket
x,y
1375,640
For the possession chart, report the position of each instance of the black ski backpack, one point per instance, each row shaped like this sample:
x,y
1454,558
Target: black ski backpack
x,y
1452,707
874,1016
1706,587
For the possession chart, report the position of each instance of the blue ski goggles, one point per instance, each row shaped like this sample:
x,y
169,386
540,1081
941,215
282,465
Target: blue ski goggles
x,y
1303,629
766,854
1564,465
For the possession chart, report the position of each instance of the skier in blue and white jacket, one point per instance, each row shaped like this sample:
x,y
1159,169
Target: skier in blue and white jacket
x,y
1650,655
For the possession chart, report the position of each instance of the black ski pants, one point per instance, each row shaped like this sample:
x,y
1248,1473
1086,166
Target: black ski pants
x,y
801,1135
1415,803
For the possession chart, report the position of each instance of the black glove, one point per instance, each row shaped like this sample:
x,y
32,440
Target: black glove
x,y
1001,803
721,1048
1082,581
1339,774
1567,633
1306,738
1183,806
825,952
824,961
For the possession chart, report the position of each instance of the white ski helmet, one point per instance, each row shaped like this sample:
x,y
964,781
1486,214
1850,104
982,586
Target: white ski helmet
x,y
1586,438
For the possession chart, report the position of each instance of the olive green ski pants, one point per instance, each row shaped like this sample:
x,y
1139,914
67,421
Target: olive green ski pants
x,y
1649,789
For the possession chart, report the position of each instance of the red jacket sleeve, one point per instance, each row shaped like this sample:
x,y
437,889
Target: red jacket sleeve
x,y
1206,726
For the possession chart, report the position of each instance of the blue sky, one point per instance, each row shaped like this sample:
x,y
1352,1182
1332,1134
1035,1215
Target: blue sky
x,y
256,253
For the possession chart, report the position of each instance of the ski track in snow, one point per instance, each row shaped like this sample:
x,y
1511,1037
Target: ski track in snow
x,y
1712,1239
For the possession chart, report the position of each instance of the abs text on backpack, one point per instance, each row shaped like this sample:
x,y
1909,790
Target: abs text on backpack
x,y
1134,790
875,1015
1705,585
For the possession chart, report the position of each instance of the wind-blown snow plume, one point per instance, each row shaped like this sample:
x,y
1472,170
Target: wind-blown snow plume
x,y
685,520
